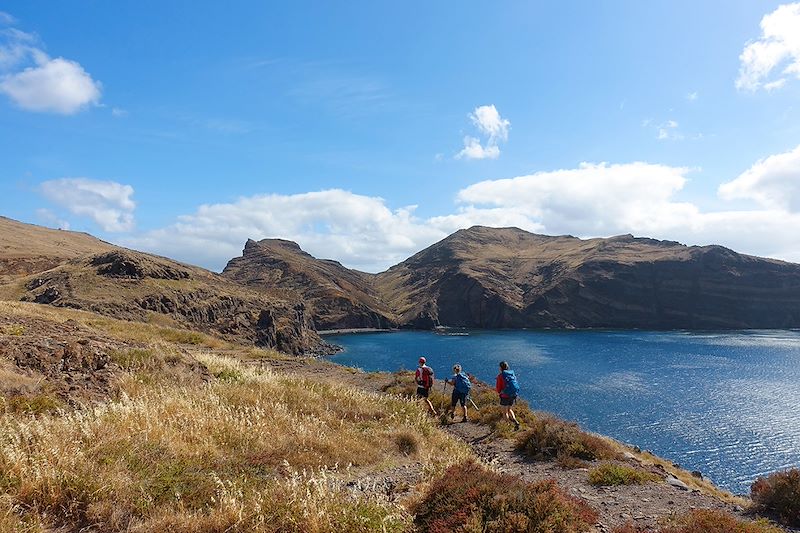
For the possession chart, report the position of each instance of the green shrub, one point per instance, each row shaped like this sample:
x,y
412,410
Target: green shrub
x,y
470,498
778,495
34,405
610,474
13,329
134,359
549,437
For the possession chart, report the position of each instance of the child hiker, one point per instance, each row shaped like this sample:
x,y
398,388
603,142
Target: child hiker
x,y
507,387
461,387
424,380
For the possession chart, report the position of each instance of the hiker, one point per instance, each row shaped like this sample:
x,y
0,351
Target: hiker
x,y
424,380
461,387
508,389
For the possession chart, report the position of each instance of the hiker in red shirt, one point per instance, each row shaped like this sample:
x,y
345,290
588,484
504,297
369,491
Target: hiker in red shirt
x,y
424,381
507,387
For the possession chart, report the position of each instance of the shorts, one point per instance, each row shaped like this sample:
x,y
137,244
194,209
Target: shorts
x,y
458,397
508,402
422,392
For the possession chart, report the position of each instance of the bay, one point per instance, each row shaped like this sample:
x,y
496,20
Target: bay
x,y
724,403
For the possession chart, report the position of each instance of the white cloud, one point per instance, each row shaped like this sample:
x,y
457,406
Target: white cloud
x,y
492,126
473,149
778,49
36,82
118,112
360,231
108,203
7,19
773,182
51,219
592,200
693,96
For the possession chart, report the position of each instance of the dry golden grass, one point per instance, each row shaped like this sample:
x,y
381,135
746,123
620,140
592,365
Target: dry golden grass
x,y
251,451
119,329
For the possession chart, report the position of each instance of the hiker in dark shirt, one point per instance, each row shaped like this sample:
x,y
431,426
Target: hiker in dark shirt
x,y
461,387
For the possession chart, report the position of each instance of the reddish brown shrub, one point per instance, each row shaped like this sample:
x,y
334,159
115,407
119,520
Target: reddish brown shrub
x,y
778,495
470,498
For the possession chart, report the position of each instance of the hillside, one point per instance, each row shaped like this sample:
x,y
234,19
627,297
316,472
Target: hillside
x,y
27,249
66,269
509,278
337,297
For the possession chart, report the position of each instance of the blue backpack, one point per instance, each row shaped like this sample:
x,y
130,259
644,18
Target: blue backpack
x,y
512,387
461,383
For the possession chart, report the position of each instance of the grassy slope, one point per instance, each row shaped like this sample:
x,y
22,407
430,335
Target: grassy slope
x,y
252,449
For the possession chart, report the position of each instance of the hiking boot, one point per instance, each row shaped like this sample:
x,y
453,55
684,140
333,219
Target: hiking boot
x,y
516,426
464,419
452,415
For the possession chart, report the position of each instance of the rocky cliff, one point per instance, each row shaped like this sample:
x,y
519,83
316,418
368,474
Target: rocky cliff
x,y
135,286
337,297
508,278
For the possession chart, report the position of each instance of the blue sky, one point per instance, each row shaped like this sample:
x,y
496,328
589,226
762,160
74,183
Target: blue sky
x,y
368,130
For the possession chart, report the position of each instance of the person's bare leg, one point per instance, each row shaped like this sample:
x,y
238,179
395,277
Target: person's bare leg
x,y
430,406
464,409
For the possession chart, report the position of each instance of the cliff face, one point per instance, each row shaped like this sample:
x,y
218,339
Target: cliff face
x,y
337,297
509,278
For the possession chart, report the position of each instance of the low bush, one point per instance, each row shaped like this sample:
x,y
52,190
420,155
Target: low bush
x,y
610,474
708,521
470,498
407,442
35,405
778,495
12,329
548,437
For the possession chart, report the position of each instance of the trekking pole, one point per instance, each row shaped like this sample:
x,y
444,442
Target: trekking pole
x,y
473,403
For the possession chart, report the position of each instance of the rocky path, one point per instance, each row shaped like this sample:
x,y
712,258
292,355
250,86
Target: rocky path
x,y
644,505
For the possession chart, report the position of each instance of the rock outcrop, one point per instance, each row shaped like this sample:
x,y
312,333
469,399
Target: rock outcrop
x,y
134,286
337,297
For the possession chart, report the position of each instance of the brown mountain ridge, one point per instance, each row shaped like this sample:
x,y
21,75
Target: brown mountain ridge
x,y
277,295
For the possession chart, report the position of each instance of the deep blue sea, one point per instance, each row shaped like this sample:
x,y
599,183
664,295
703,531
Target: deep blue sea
x,y
724,403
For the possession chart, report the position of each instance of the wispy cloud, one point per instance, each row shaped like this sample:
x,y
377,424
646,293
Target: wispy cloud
x,y
692,96
776,50
668,131
6,19
492,127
